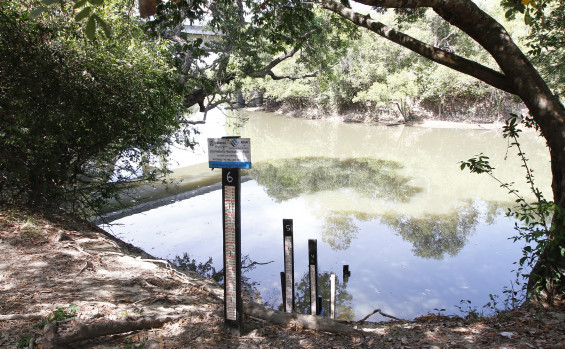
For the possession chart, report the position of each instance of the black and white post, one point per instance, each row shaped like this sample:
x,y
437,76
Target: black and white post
x,y
313,273
233,306
288,265
332,295
231,154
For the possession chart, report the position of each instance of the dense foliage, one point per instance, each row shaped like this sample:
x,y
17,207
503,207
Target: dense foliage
x,y
78,118
547,41
249,39
385,80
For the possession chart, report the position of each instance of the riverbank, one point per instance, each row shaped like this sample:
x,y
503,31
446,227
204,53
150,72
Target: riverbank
x,y
53,266
457,112
421,117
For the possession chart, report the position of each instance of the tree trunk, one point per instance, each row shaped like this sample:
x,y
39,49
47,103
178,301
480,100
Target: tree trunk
x,y
240,99
546,280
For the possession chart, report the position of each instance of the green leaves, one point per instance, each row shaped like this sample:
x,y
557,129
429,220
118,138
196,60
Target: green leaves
x,y
510,128
478,164
36,12
533,10
90,29
86,10
93,19
103,25
540,223
120,88
79,4
84,13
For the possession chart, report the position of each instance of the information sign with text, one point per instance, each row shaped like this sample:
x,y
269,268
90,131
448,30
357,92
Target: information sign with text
x,y
229,153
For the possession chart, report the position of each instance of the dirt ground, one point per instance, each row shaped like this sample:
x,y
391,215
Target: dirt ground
x,y
66,283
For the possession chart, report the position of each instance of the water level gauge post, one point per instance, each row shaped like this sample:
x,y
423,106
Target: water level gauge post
x,y
231,154
288,241
233,307
313,275
332,295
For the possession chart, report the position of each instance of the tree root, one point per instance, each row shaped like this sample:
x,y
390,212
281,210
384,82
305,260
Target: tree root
x,y
380,312
52,339
311,322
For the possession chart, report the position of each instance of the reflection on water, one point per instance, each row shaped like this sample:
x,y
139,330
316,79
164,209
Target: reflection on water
x,y
289,178
339,229
391,202
432,235
343,299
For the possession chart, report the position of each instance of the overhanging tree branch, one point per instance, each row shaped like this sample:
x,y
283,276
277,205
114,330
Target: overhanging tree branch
x,y
448,59
293,78
198,96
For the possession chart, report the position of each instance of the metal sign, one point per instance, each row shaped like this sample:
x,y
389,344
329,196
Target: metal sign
x,y
288,265
229,152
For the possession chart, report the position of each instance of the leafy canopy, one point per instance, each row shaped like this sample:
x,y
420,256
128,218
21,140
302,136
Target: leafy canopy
x,y
79,118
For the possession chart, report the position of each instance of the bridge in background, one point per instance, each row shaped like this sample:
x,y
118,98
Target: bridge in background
x,y
198,31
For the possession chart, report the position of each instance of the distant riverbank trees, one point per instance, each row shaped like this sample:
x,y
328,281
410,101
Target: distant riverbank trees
x,y
377,80
515,74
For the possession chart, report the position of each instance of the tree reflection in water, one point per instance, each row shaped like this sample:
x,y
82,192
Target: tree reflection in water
x,y
432,235
289,178
343,299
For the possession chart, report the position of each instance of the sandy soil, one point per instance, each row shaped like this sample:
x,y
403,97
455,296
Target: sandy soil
x,y
50,264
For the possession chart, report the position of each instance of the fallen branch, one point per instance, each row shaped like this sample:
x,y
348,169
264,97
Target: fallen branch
x,y
380,312
311,322
83,332
21,317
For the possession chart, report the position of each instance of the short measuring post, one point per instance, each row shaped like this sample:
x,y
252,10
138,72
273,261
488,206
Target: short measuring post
x,y
313,270
332,295
346,273
288,265
283,289
231,154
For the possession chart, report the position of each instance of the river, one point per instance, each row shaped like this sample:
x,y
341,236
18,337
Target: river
x,y
419,235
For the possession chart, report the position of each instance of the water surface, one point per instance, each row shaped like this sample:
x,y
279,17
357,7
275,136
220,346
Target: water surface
x,y
391,202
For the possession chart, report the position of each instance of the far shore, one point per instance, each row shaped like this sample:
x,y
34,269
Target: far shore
x,y
460,125
423,122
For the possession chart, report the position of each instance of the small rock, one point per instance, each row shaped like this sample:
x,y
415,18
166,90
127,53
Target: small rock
x,y
508,335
